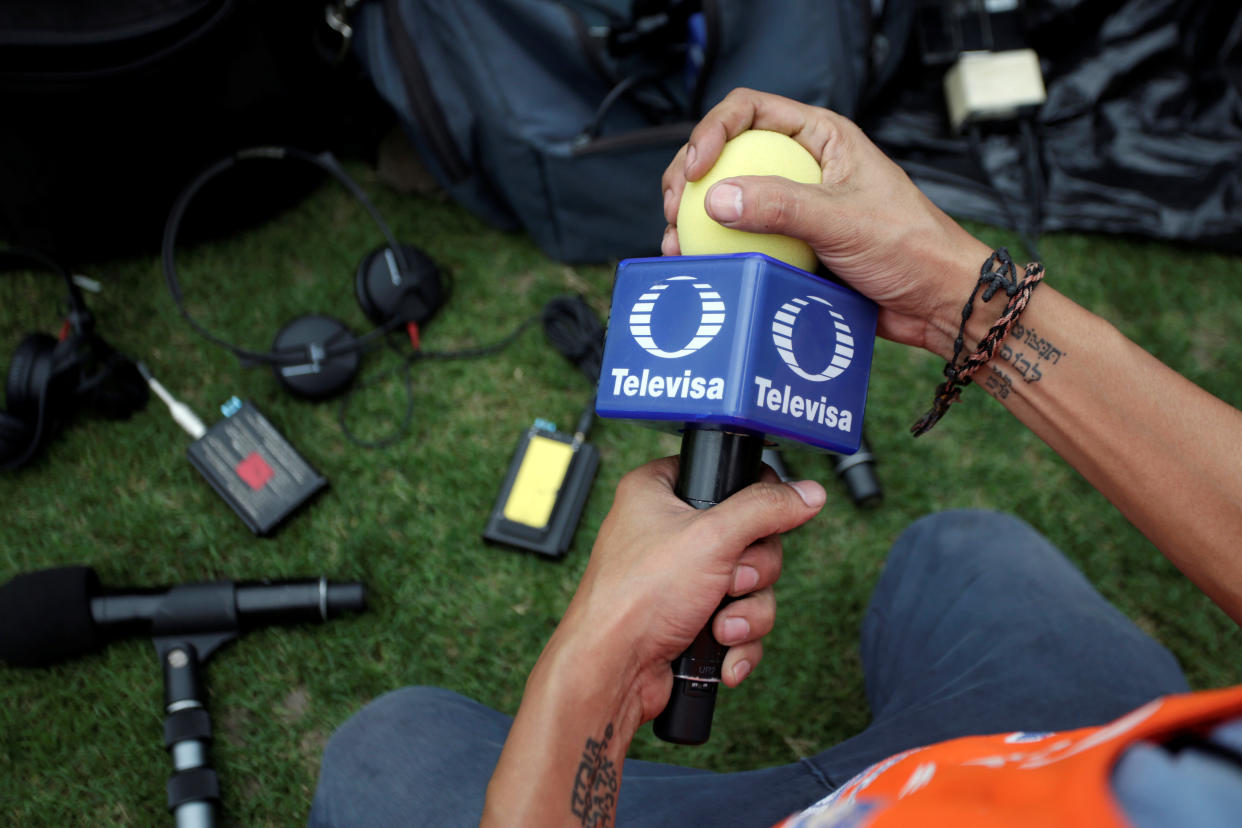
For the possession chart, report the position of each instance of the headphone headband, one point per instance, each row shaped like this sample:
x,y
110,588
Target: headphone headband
x,y
327,163
13,257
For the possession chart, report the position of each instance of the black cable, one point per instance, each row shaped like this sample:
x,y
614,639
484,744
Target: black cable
x,y
575,331
1034,175
326,163
585,420
406,366
482,350
569,324
401,430
976,154
593,127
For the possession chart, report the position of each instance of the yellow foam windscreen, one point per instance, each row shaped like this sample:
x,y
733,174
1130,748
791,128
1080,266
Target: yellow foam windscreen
x,y
538,480
755,152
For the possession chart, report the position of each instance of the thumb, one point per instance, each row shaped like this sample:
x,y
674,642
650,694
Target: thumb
x,y
769,204
764,509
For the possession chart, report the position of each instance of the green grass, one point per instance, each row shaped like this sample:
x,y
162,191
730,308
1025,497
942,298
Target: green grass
x,y
80,743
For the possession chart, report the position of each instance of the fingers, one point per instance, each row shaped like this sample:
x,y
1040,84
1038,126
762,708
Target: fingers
x,y
759,511
740,662
741,110
767,474
744,109
747,619
758,567
743,623
674,184
649,482
651,537
770,204
742,626
670,245
825,134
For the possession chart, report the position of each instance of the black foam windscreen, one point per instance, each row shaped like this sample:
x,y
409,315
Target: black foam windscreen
x,y
45,616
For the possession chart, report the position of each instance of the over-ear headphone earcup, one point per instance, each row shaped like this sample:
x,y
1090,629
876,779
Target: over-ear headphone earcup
x,y
30,372
28,393
385,292
312,373
16,436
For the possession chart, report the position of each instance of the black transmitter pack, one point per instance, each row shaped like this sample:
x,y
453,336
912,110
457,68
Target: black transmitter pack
x,y
254,468
544,491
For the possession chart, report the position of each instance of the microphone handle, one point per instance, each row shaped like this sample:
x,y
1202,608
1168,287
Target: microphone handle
x,y
218,606
293,602
714,465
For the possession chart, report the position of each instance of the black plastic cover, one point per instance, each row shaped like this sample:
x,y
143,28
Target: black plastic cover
x,y
1141,132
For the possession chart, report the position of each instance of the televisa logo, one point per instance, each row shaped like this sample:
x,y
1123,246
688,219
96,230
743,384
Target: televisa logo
x,y
782,337
711,317
784,400
686,385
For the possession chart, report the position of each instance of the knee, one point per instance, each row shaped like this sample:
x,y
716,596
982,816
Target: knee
x,y
407,718
419,756
967,540
972,550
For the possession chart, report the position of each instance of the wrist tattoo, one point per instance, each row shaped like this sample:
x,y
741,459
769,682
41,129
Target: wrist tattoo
x,y
998,383
594,798
1030,354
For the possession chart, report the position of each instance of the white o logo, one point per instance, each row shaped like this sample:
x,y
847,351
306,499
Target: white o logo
x,y
711,318
782,335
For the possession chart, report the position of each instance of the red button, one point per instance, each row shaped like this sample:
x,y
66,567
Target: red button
x,y
254,470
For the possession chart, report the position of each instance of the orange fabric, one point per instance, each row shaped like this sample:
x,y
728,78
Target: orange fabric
x,y
1015,779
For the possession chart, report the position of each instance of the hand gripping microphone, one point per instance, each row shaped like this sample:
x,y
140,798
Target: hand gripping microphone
x,y
737,351
54,614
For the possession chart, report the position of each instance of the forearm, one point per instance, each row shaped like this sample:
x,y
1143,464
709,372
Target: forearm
x,y
561,764
1158,447
657,573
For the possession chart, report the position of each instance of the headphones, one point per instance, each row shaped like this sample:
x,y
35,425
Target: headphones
x,y
316,356
50,377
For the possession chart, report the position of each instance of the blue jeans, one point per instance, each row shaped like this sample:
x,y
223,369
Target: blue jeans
x,y
977,625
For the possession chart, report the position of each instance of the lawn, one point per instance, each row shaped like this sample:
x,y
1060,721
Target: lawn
x,y
80,742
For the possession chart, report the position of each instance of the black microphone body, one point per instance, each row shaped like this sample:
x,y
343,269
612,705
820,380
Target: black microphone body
x,y
53,614
736,351
739,338
715,463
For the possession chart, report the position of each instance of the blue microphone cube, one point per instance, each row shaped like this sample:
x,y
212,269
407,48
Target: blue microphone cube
x,y
739,340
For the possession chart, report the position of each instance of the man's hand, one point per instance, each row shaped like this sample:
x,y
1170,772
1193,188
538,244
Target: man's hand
x,y
866,220
660,568
657,573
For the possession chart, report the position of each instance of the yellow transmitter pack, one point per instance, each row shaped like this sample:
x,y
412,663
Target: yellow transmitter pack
x,y
544,491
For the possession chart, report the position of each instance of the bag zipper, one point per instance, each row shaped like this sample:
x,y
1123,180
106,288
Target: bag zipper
x,y
654,135
424,107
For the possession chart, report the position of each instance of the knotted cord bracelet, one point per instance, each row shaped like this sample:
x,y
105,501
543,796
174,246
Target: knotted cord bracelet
x,y
957,377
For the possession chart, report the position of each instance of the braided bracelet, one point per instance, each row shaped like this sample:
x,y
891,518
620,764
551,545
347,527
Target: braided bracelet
x,y
957,377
